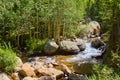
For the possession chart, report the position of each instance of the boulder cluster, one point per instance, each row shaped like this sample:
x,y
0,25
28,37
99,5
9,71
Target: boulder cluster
x,y
67,46
37,70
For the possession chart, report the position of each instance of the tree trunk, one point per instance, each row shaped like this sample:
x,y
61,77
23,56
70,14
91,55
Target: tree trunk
x,y
114,40
49,34
115,33
114,43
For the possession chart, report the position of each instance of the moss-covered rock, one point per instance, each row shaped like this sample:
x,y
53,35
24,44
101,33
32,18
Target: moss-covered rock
x,y
91,29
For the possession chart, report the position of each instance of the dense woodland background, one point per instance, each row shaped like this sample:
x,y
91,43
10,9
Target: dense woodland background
x,y
27,24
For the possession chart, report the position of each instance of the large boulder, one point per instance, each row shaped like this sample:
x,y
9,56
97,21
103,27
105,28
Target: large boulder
x,y
4,76
50,72
96,43
27,70
81,44
95,28
69,46
91,29
50,47
84,67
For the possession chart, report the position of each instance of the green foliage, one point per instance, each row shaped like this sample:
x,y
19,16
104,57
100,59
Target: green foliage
x,y
102,11
30,18
114,61
35,45
83,30
7,58
108,71
72,31
103,72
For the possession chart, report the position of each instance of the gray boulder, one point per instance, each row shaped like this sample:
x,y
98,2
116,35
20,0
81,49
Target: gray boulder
x,y
96,43
50,47
91,29
81,44
84,67
69,46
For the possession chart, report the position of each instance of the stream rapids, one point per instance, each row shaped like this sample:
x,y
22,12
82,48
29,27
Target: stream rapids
x,y
88,54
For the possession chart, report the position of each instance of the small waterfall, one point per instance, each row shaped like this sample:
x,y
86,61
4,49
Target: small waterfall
x,y
87,54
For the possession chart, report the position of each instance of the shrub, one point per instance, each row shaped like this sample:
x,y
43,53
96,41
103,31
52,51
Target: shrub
x,y
103,72
35,45
72,31
7,59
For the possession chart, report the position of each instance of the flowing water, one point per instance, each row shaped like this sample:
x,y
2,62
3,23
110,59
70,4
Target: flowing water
x,y
68,60
88,53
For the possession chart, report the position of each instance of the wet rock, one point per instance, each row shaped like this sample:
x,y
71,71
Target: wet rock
x,y
50,72
65,69
4,76
50,47
27,70
74,76
69,46
81,44
15,76
96,43
84,67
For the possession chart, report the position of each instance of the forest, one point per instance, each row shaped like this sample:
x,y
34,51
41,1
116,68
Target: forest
x,y
56,30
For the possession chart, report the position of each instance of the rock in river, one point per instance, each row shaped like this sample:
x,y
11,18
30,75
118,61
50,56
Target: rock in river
x,y
69,46
84,67
81,44
50,47
96,43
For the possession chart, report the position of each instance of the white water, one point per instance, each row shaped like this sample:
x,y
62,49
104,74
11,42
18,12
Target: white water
x,y
88,53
